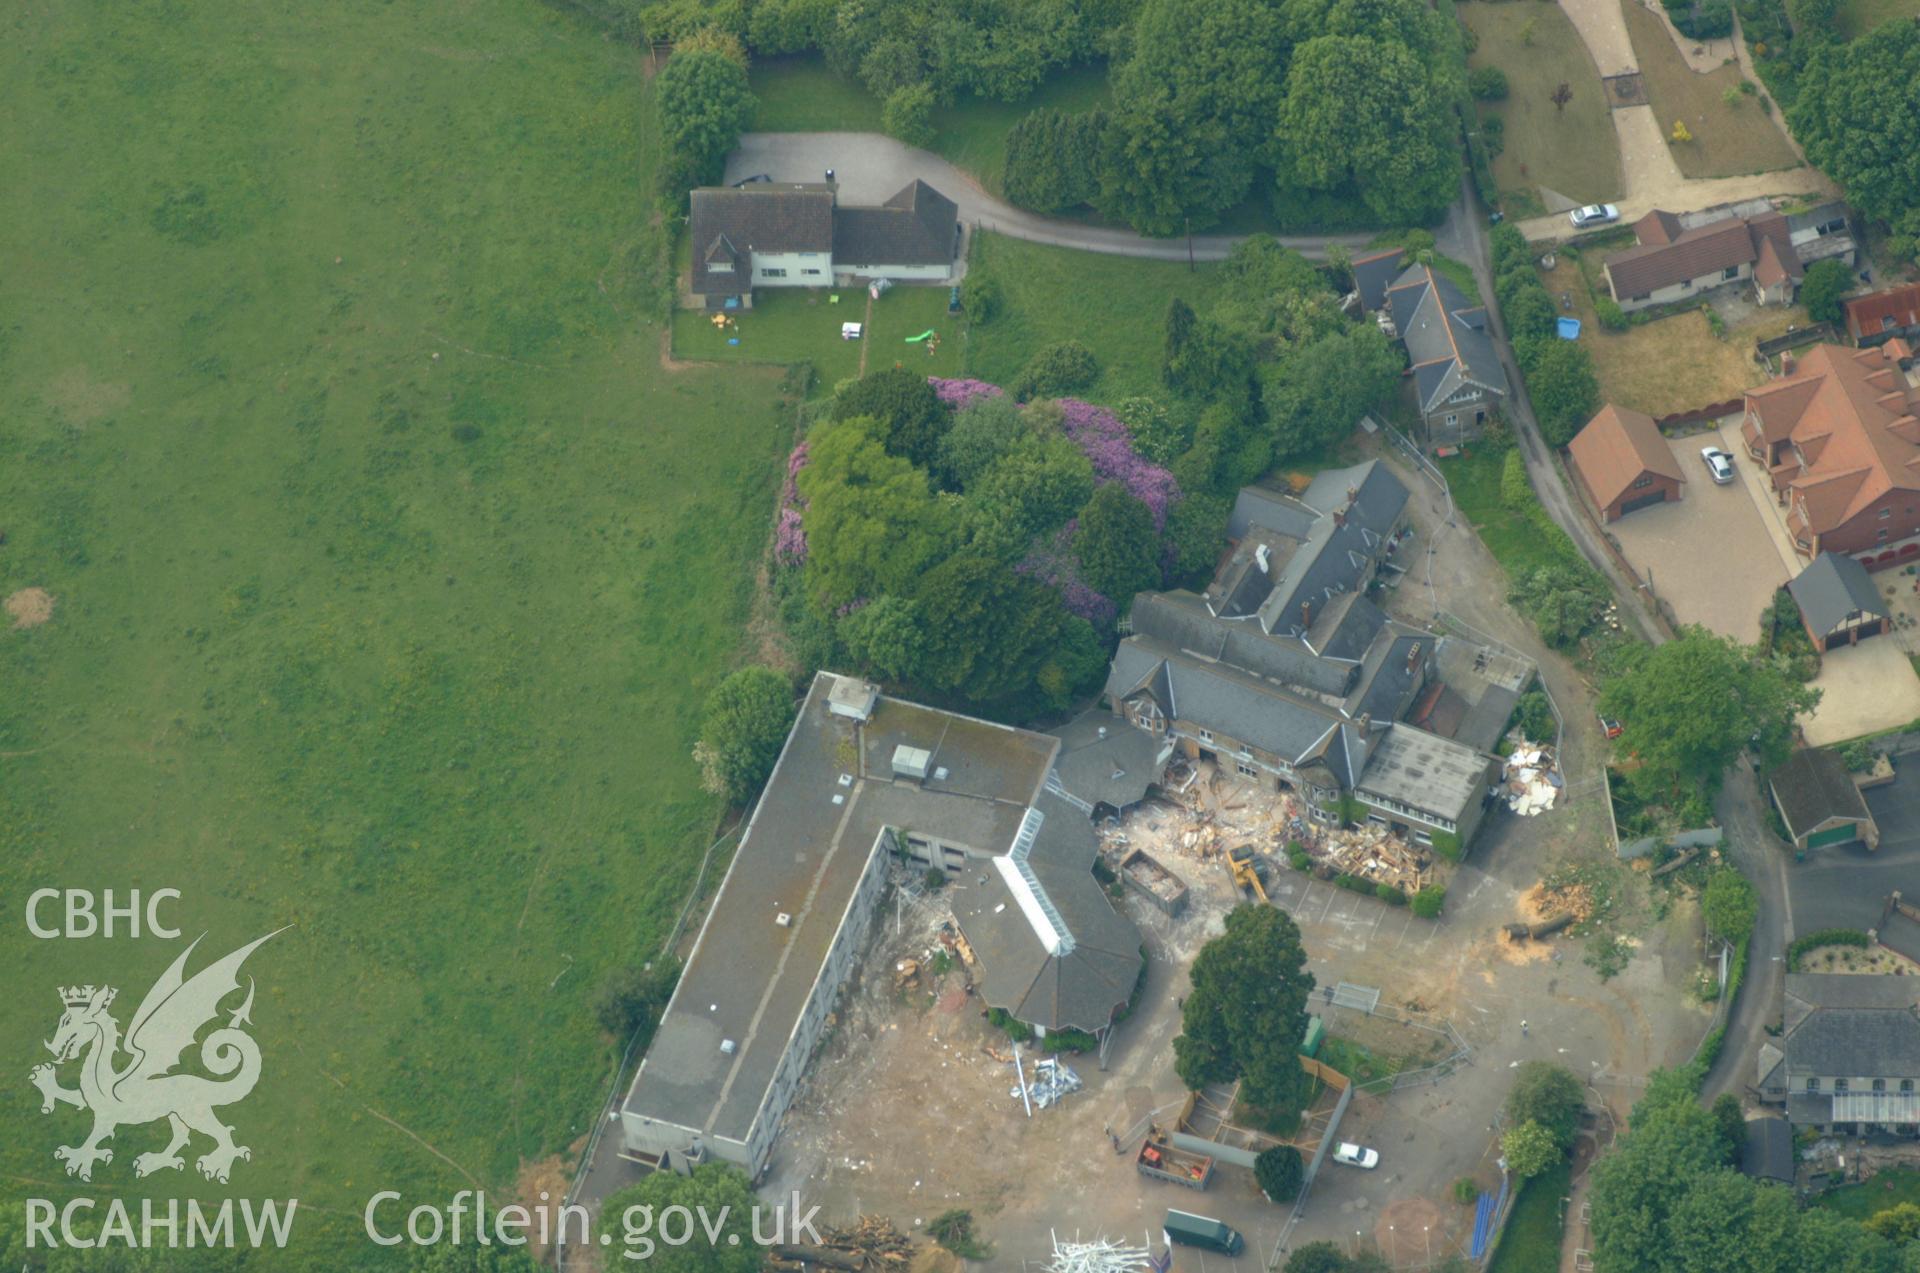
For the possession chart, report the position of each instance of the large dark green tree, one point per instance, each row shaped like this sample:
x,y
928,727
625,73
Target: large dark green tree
x,y
983,433
1826,284
704,103
990,632
912,416
1693,703
1563,388
1315,394
1053,159
1364,115
885,638
1118,548
741,731
1031,491
1549,1095
1247,1010
1845,94
873,524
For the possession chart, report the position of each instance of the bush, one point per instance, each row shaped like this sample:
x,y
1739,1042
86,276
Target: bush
x,y
1533,716
1447,845
1466,1191
1826,282
632,998
1487,83
1564,390
1279,1172
907,114
1516,492
1297,858
1611,316
954,1231
1062,367
1389,894
1551,1097
743,728
1825,937
1857,756
1729,904
1429,901
936,879
980,296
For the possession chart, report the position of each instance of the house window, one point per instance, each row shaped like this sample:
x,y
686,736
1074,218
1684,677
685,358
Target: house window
x,y
1452,419
814,272
1839,1085
1813,1085
1687,286
1732,271
1643,482
1879,1085
1885,513
720,267
1206,735
1644,296
1906,1086
1882,536
772,272
1247,770
1888,323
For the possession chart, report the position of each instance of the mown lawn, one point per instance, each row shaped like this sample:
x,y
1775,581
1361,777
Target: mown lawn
x,y
1115,305
1728,141
1531,1241
1887,1188
803,326
800,94
390,566
1573,151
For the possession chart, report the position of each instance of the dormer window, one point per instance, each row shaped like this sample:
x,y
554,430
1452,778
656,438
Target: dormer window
x,y
720,267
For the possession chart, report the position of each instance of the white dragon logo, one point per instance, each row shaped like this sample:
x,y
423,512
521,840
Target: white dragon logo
x,y
146,1088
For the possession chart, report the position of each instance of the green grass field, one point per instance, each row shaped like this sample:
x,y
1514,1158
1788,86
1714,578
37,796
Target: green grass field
x,y
1115,305
1511,537
1531,1240
786,327
1574,151
1728,141
800,94
1887,1188
390,567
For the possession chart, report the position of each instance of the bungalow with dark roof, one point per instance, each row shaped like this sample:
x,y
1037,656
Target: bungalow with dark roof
x,y
1839,435
795,234
1623,463
1679,256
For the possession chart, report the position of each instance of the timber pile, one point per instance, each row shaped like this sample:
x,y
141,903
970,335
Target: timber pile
x,y
872,1244
1574,899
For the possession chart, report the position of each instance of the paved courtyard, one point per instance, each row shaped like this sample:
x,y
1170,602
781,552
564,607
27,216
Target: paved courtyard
x,y
1709,555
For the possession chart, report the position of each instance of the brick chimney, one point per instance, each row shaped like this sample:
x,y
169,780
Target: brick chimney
x,y
1786,364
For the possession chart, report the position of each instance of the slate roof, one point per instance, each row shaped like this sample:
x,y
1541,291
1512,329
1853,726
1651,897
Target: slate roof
x,y
1360,506
1373,274
729,224
1852,415
1448,342
1813,786
1669,252
1768,1151
1832,588
1274,510
1895,308
914,227
1226,700
1104,760
1845,1041
1616,448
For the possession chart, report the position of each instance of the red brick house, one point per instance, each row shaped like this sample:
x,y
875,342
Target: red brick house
x,y
1624,463
1839,434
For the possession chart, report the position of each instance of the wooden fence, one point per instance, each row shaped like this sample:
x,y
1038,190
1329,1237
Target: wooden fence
x,y
1712,411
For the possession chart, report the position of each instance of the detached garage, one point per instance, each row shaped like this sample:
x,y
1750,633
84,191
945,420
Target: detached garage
x,y
1820,803
1624,463
1838,603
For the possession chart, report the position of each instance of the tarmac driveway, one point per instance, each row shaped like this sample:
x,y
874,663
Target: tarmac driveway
x,y
872,167
1708,555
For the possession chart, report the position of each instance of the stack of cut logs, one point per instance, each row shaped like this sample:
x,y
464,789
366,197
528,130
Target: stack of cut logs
x,y
871,1244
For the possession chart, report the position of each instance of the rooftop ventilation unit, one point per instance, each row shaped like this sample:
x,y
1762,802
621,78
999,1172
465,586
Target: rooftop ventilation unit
x,y
912,762
783,919
852,698
728,1047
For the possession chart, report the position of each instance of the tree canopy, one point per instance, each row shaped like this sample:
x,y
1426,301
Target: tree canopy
x,y
704,103
1247,1011
1529,1149
1690,706
1825,285
913,418
1118,548
720,1192
873,525
1845,94
1549,1095
742,730
1729,904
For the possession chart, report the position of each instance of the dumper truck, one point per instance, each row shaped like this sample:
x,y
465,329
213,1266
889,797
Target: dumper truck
x,y
1160,1160
1187,1229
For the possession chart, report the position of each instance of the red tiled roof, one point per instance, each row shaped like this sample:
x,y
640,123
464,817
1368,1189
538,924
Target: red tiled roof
x,y
1616,447
1867,315
1852,416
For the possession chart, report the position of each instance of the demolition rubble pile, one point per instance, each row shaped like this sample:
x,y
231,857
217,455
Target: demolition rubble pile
x,y
1052,1081
1530,784
1372,852
871,1244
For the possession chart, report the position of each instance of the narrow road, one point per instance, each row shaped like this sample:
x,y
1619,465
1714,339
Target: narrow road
x,y
871,167
1752,846
1464,235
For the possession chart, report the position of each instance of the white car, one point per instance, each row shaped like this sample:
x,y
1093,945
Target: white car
x,y
1594,214
1357,1156
1719,463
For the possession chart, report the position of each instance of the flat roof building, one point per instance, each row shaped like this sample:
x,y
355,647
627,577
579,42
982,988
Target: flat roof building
x,y
862,776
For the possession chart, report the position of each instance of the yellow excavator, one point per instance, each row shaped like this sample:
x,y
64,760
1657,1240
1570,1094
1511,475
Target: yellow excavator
x,y
1248,869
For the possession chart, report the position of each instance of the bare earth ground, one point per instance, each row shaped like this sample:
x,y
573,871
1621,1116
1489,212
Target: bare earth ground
x,y
30,607
906,1115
